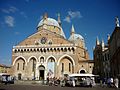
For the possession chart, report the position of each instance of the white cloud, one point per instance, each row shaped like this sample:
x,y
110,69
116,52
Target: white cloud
x,y
11,9
17,33
23,14
67,19
5,11
74,14
9,20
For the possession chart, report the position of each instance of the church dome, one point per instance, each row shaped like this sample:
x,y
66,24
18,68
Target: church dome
x,y
51,25
49,22
75,37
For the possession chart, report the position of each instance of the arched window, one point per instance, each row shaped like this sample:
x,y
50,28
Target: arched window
x,y
23,65
34,65
18,66
69,67
62,67
82,71
42,60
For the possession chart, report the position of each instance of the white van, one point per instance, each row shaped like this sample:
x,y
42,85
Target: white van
x,y
86,80
6,78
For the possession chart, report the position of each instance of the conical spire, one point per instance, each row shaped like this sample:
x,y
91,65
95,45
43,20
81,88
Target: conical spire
x,y
59,21
108,37
72,30
97,41
103,43
117,22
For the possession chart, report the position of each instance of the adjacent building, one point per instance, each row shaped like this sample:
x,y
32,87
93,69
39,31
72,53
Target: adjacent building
x,y
101,59
4,69
47,53
114,45
107,56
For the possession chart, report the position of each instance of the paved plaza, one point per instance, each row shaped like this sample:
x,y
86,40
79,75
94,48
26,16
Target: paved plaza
x,y
40,87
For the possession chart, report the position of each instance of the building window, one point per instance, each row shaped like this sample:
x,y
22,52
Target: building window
x,y
33,65
69,67
62,67
18,66
23,66
42,59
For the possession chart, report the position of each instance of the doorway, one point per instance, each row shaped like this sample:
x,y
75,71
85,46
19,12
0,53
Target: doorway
x,y
41,75
19,76
41,72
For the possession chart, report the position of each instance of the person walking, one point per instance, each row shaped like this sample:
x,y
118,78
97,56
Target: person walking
x,y
111,82
73,82
116,82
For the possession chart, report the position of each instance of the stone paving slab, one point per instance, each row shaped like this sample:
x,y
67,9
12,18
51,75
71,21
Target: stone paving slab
x,y
39,87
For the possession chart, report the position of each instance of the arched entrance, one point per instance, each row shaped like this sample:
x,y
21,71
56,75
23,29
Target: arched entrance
x,y
66,66
82,71
19,76
32,67
19,67
51,67
41,69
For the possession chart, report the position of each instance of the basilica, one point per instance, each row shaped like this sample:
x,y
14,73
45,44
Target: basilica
x,y
48,53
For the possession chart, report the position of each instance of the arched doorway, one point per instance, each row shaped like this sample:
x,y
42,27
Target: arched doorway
x,y
66,66
82,71
51,67
32,67
19,67
41,69
19,76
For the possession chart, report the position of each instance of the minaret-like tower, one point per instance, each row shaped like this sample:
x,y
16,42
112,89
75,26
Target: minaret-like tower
x,y
59,21
45,20
117,22
103,44
97,41
72,30
45,16
108,37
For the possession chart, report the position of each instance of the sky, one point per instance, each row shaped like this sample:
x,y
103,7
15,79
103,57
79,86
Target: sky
x,y
91,18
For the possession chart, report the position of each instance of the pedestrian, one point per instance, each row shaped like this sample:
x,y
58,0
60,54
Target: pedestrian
x,y
103,82
116,82
93,82
111,82
47,81
108,82
73,82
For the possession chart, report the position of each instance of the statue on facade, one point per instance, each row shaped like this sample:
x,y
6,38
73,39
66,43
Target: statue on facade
x,y
117,21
